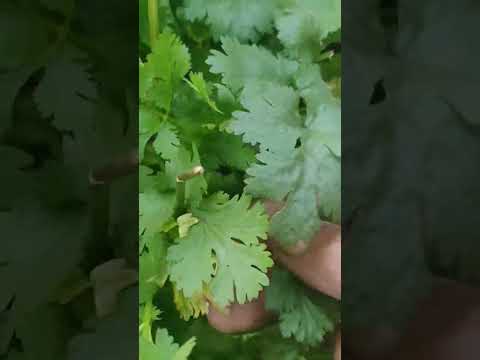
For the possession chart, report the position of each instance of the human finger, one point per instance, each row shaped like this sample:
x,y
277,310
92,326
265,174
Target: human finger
x,y
241,318
320,264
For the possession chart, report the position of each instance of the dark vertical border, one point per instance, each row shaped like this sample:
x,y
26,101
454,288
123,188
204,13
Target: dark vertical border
x,y
410,180
68,183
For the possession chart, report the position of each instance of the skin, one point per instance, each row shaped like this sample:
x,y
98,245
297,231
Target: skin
x,y
446,325
319,266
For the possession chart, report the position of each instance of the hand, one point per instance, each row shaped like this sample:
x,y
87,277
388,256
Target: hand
x,y
447,324
318,265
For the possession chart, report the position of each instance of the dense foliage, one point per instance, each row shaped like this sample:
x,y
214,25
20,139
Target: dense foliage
x,y
239,101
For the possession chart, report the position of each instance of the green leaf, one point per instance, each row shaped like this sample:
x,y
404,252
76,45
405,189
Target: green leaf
x,y
312,87
198,83
304,24
149,121
193,117
238,69
163,71
153,266
166,142
155,210
272,119
308,176
242,19
226,150
302,316
148,315
226,251
300,154
164,348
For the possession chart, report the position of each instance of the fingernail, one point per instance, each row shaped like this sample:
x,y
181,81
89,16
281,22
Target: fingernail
x,y
223,311
226,311
279,249
298,248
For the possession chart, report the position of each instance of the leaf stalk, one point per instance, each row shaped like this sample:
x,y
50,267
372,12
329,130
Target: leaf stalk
x,y
181,185
153,20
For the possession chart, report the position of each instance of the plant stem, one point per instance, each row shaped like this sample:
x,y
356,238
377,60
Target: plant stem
x,y
180,202
153,20
181,185
196,171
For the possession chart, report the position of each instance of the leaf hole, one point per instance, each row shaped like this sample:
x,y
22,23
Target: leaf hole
x,y
298,143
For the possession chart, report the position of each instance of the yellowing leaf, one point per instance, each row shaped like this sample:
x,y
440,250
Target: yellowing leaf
x,y
185,222
193,306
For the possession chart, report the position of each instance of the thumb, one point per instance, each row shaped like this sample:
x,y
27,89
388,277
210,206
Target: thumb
x,y
318,263
241,318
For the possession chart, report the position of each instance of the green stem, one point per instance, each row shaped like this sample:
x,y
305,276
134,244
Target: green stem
x,y
196,171
181,185
180,196
153,20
